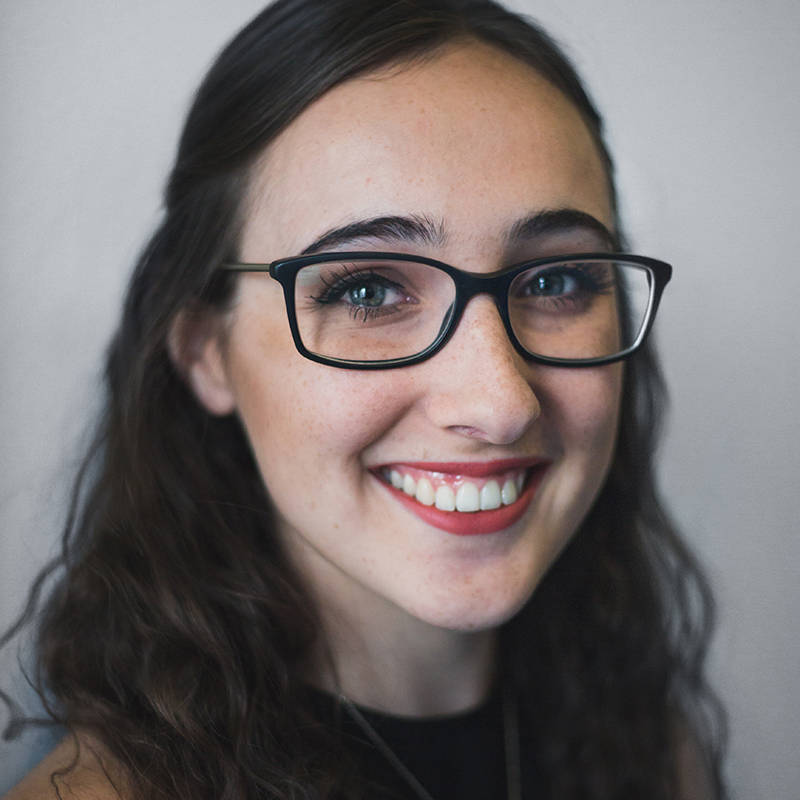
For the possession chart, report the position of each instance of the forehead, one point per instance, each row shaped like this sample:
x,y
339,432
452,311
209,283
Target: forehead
x,y
470,138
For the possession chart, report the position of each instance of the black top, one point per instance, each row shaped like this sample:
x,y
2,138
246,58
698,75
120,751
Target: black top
x,y
459,757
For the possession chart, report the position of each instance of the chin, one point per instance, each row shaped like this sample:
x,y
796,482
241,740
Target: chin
x,y
472,608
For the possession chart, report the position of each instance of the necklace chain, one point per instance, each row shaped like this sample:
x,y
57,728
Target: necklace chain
x,y
510,741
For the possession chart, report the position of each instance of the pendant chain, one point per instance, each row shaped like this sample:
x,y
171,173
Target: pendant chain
x,y
510,741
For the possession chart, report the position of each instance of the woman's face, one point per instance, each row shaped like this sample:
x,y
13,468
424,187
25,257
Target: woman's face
x,y
464,150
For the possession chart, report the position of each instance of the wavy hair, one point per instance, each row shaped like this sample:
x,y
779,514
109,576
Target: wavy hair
x,y
176,629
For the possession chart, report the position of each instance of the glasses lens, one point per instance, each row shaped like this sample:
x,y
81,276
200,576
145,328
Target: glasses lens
x,y
580,309
371,310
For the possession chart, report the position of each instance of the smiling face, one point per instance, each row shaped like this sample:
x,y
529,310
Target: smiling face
x,y
456,159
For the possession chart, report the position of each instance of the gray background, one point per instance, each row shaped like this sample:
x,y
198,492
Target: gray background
x,y
703,107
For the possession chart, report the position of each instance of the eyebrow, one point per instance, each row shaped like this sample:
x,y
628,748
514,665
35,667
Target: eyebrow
x,y
413,229
561,220
420,229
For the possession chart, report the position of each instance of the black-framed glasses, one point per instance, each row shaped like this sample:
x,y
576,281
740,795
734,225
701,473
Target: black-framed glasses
x,y
386,310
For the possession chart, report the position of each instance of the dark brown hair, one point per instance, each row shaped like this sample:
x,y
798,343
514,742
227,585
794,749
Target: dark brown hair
x,y
176,626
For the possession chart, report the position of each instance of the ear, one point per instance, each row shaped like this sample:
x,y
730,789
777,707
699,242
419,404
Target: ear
x,y
195,345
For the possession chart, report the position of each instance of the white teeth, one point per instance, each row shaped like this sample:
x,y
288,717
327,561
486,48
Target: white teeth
x,y
467,497
424,493
445,499
490,496
509,493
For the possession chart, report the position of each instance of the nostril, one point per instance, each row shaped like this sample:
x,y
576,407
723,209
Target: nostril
x,y
468,431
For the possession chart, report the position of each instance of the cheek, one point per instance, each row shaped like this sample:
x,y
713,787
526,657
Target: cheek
x,y
305,419
584,407
583,410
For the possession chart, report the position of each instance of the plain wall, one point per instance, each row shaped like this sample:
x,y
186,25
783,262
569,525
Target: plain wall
x,y
703,109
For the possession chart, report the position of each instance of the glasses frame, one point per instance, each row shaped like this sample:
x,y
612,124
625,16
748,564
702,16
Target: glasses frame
x,y
467,286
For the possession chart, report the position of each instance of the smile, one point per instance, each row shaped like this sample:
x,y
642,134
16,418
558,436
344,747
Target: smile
x,y
468,498
457,493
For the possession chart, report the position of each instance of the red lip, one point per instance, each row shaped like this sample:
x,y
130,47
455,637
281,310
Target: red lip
x,y
475,522
474,469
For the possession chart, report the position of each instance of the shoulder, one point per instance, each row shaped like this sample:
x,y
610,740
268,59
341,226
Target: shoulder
x,y
76,769
695,775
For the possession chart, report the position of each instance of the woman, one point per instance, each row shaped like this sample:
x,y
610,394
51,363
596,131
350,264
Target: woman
x,y
375,525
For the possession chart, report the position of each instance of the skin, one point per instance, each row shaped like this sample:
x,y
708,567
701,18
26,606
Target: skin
x,y
475,142
76,768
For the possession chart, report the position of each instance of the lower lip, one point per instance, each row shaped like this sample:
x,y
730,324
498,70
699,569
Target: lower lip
x,y
472,523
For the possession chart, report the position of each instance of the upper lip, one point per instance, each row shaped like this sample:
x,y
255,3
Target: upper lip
x,y
471,469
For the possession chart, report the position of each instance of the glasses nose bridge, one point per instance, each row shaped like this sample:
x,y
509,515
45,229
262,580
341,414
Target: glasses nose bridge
x,y
469,286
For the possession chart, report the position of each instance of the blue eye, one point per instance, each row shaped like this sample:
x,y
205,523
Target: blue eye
x,y
564,283
553,284
367,294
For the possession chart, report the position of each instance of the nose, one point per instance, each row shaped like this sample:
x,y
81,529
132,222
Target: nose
x,y
480,385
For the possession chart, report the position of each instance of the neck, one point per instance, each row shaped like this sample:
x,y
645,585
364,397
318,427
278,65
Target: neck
x,y
382,657
410,672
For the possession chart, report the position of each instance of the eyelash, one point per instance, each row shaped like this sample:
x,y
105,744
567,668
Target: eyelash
x,y
340,283
592,284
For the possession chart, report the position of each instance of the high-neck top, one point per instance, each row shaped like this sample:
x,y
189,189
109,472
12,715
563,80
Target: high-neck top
x,y
455,757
